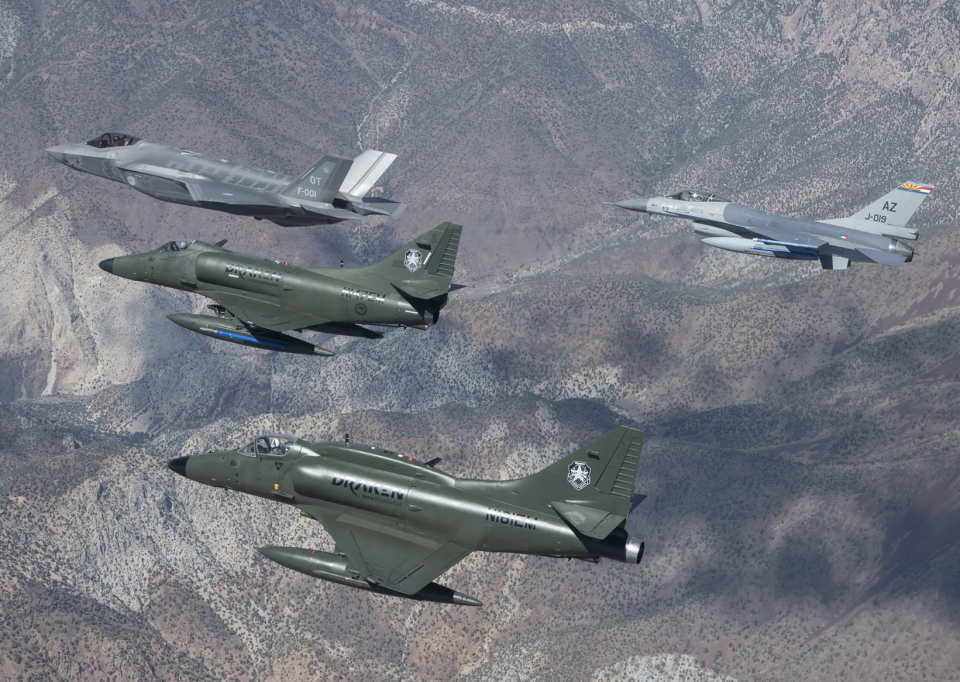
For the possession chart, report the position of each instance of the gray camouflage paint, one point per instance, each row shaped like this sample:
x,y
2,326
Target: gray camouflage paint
x,y
185,177
876,234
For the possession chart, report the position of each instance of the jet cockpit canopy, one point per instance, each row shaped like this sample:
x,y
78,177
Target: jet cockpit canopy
x,y
271,444
178,245
697,195
113,140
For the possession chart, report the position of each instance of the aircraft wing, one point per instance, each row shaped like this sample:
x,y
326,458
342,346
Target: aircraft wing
x,y
201,188
217,193
260,313
390,557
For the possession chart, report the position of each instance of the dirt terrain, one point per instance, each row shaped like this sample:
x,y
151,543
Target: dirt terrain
x,y
801,465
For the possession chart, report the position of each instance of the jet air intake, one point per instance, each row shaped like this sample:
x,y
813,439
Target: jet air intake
x,y
333,568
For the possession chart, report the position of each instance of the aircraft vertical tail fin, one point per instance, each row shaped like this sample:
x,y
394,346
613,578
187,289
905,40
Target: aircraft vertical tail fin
x,y
890,213
592,488
423,268
321,182
364,173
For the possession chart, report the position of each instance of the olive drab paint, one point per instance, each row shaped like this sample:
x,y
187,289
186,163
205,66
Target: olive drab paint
x,y
398,523
257,300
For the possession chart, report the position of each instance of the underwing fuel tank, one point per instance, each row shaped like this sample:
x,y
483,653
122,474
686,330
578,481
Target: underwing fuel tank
x,y
756,247
713,231
333,568
217,328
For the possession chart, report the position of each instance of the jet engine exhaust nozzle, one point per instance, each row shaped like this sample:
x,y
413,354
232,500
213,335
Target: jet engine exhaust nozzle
x,y
634,551
903,249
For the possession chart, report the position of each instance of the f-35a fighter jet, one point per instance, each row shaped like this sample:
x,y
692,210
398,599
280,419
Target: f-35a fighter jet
x,y
873,235
399,523
331,191
258,299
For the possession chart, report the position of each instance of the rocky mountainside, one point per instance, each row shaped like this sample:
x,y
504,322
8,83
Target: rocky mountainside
x,y
801,466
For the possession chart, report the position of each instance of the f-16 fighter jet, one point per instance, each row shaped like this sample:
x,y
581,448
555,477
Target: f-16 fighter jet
x,y
876,234
258,299
331,191
399,523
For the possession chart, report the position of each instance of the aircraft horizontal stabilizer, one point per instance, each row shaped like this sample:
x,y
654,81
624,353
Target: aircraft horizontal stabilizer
x,y
594,523
337,213
377,206
422,288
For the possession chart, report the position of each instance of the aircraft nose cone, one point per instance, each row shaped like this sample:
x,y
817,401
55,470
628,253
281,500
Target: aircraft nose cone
x,y
107,265
56,153
178,465
633,204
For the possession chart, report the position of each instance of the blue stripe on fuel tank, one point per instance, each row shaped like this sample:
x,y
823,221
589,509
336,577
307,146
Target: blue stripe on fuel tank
x,y
249,339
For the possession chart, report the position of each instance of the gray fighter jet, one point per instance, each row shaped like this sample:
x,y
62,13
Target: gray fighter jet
x,y
873,235
399,523
259,299
331,191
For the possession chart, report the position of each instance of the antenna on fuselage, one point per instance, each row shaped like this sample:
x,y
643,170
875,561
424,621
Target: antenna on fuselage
x,y
346,438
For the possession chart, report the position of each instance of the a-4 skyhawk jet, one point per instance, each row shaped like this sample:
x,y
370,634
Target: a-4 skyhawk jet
x,y
331,191
259,299
399,523
877,234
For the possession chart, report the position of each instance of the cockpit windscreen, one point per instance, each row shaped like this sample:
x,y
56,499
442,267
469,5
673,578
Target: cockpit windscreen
x,y
113,140
271,444
697,195
178,245
274,445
